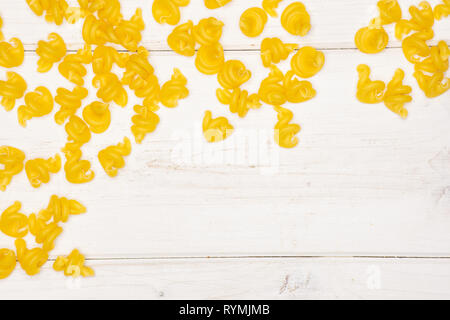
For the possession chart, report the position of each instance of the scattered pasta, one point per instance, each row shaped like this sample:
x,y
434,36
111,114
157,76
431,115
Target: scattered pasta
x,y
78,132
210,59
110,89
50,52
72,67
273,50
45,233
369,91
174,90
7,262
285,131
215,4
73,265
233,74
270,7
31,260
37,104
168,11
112,158
208,31
181,39
77,171
12,160
272,90
38,170
296,20
13,223
397,94
59,209
11,54
97,116
253,21
238,100
144,122
70,102
307,62
217,129
442,10
12,89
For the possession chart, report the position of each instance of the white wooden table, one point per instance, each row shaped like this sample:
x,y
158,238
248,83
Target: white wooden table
x,y
360,209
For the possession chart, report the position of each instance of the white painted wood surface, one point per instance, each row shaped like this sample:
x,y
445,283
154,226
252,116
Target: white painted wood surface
x,y
362,182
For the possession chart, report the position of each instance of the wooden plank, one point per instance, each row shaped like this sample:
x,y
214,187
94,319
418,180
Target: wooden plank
x,y
334,23
361,182
296,278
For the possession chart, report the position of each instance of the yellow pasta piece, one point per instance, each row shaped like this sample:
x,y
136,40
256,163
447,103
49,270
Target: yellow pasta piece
x,y
7,263
97,116
174,90
110,89
128,32
437,61
37,104
50,52
217,129
70,102
285,131
208,31
442,10
72,67
390,11
45,233
11,55
270,7
144,122
30,260
60,209
38,170
273,50
168,11
372,39
78,132
253,21
137,67
397,94
238,100
432,85
307,62
297,91
77,171
210,59
415,46
422,18
73,265
55,10
110,12
215,4
104,57
369,91
11,164
97,31
112,158
148,89
272,90
233,74
1,26
12,89
181,39
296,20
13,223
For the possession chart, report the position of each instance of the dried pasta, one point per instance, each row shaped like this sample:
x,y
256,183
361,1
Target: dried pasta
x,y
37,104
45,233
144,121
437,61
59,209
7,263
397,94
369,91
217,129
112,158
253,21
78,132
233,74
11,161
105,57
55,10
270,7
128,32
285,131
70,102
432,85
415,47
2,37
215,4
174,90
38,170
11,54
210,59
168,11
110,89
297,91
208,31
181,39
307,62
73,265
296,20
273,50
77,171
442,10
371,39
238,100
31,260
50,52
72,67
422,18
12,89
137,68
13,223
97,116
390,11
272,90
